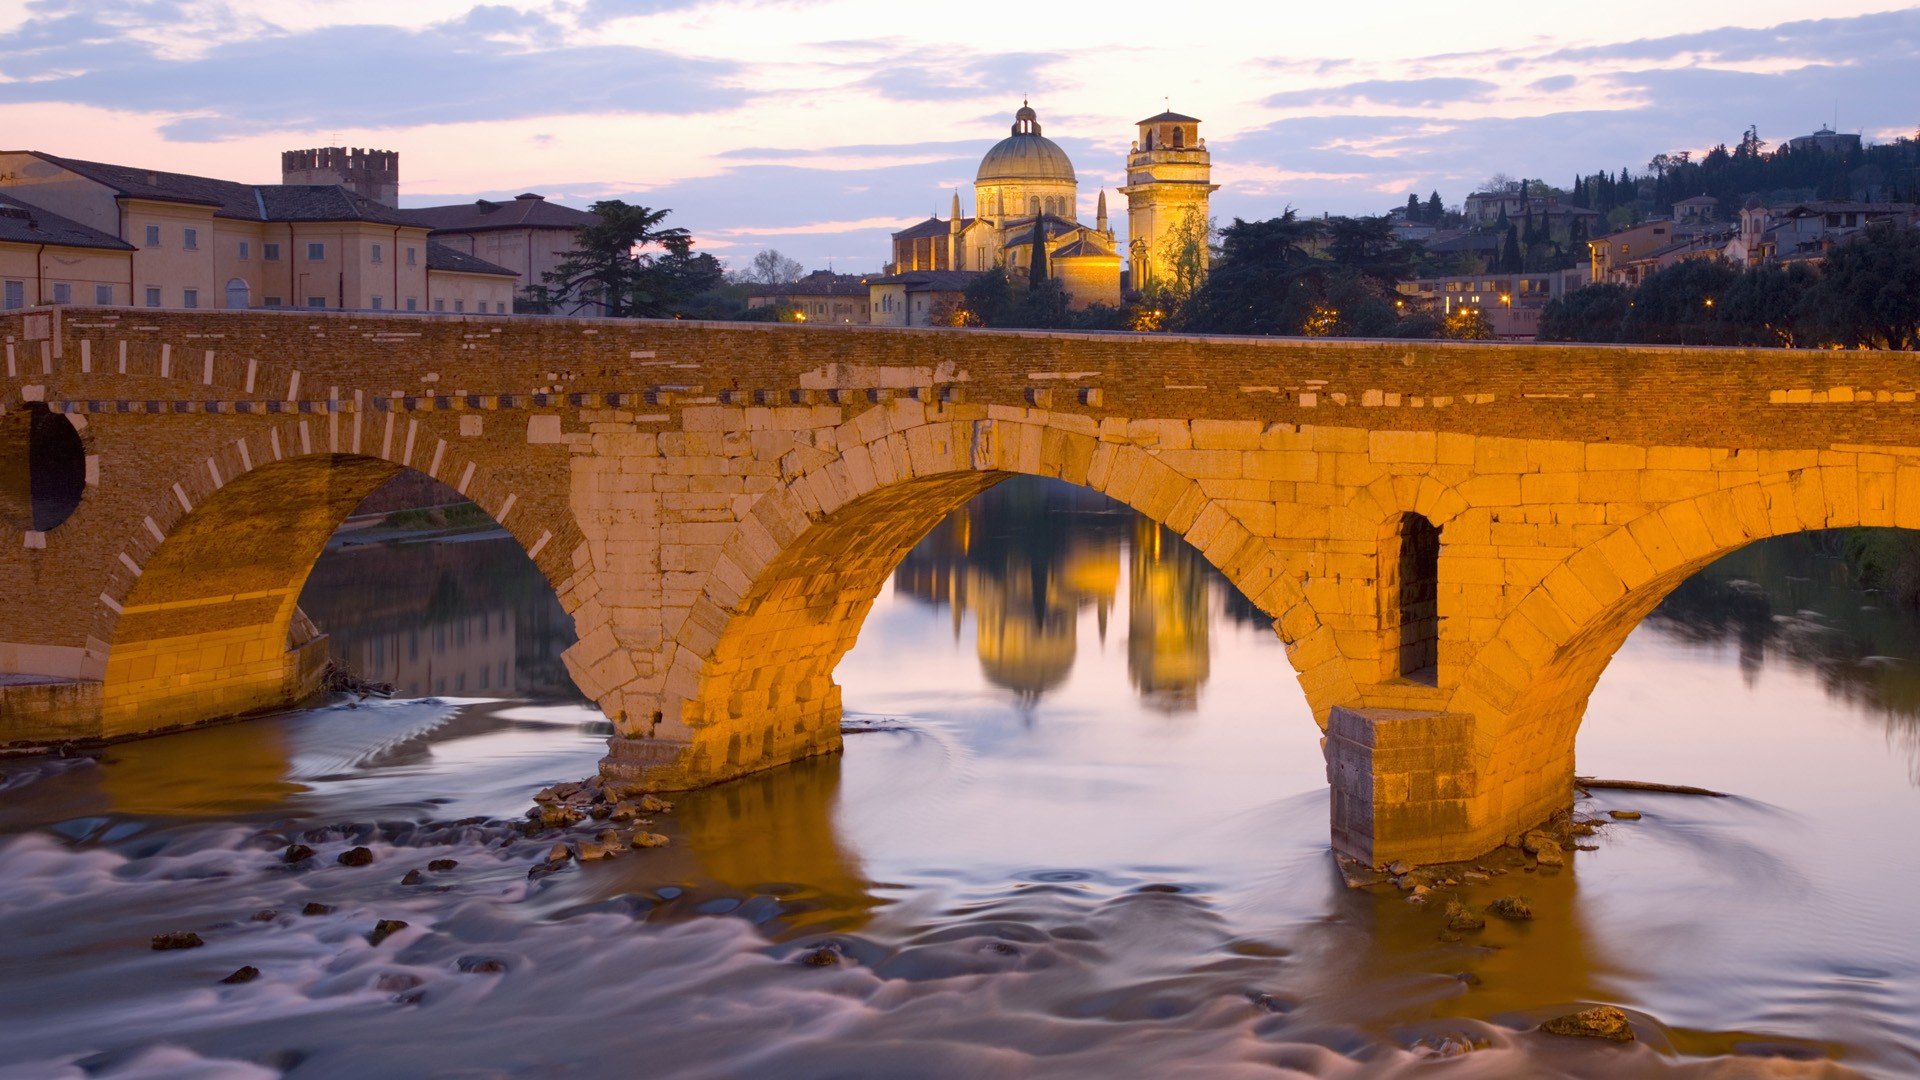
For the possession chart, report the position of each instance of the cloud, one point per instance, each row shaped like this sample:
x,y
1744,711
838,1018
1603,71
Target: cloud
x,y
950,78
1425,93
492,63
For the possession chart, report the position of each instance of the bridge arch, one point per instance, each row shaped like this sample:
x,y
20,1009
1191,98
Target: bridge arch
x,y
748,681
201,621
1529,684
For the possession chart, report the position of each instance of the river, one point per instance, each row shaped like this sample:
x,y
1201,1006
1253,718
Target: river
x,y
1079,829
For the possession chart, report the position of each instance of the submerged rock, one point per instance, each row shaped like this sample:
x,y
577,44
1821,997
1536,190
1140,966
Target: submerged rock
x,y
296,853
264,915
1452,1044
242,975
825,956
1624,815
439,865
413,877
176,939
317,909
650,804
1599,1022
1511,908
481,965
356,856
384,929
648,840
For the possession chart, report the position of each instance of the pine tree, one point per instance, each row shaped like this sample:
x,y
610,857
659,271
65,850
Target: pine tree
x,y
1435,209
1511,261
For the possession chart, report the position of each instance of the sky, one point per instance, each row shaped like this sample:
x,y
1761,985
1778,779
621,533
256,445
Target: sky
x,y
819,126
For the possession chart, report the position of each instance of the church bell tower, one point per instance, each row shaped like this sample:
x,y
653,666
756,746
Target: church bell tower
x,y
1169,181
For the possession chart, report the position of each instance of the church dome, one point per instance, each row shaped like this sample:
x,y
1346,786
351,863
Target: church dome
x,y
1025,154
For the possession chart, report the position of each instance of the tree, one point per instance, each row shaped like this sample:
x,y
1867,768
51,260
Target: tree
x,y
1435,209
1189,253
1499,182
988,300
772,268
1590,314
627,263
1248,290
1467,324
1367,246
1868,295
1680,305
1769,305
1511,261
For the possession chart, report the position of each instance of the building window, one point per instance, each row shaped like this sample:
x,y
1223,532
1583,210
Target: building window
x,y
413,258
103,294
270,301
316,252
246,251
316,301
413,303
499,307
153,236
62,293
190,298
270,252
190,239
153,296
376,254
378,303
439,305
16,293
459,305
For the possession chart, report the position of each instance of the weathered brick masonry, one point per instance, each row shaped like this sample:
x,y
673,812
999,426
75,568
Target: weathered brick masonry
x,y
718,505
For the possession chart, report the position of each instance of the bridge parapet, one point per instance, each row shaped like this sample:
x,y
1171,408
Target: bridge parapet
x,y
1451,538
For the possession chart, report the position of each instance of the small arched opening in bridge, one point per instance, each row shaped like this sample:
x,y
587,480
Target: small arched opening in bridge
x,y
43,468
1410,599
212,626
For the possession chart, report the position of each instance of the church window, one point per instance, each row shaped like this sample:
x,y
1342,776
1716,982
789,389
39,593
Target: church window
x,y
1179,137
1033,204
1148,144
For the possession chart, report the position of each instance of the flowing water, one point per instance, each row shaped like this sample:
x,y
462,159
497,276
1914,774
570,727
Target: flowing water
x,y
1079,829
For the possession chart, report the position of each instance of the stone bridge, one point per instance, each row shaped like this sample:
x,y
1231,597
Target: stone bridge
x,y
1452,538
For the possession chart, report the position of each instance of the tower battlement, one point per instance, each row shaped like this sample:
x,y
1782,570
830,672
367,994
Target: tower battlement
x,y
374,174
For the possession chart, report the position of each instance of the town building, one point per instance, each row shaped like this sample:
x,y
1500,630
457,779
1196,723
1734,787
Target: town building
x,y
1827,141
528,234
1631,255
822,297
1805,232
125,235
1026,220
1487,208
1511,302
918,297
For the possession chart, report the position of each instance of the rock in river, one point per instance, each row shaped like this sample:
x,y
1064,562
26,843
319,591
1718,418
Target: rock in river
x,y
176,939
1599,1022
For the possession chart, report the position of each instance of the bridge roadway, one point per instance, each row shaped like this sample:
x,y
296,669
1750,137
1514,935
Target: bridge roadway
x,y
1452,538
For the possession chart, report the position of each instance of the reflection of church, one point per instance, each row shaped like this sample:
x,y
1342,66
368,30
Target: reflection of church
x,y
1029,556
1026,220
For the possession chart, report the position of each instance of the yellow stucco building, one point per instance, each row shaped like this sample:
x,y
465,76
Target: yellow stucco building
x,y
1026,200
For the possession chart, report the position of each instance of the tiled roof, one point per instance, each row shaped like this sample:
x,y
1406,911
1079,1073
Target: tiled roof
x,y
26,224
933,226
1080,248
248,202
930,280
442,257
1171,117
527,211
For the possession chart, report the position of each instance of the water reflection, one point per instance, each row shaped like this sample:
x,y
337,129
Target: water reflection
x,y
454,615
1795,601
1026,558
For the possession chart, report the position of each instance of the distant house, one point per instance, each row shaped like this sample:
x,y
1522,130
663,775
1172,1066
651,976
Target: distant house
x,y
1511,302
1631,255
822,296
1698,208
527,233
1827,141
918,297
1805,232
1486,207
327,238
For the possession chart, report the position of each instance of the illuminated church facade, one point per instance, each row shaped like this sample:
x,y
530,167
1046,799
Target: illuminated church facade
x,y
1025,219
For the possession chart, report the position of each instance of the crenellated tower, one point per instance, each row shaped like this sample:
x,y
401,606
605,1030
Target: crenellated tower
x,y
1169,182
